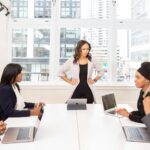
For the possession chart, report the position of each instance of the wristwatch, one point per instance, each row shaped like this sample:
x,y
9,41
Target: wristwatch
x,y
95,80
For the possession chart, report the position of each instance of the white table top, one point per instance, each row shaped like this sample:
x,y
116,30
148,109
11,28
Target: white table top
x,y
57,130
89,129
100,131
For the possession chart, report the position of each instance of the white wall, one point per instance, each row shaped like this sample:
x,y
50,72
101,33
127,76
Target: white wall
x,y
59,94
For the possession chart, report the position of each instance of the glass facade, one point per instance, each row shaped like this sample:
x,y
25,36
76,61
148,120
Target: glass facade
x,y
42,9
31,49
19,8
31,46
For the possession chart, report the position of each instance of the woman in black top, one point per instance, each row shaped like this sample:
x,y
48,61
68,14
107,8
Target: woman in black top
x,y
81,68
142,81
11,102
83,90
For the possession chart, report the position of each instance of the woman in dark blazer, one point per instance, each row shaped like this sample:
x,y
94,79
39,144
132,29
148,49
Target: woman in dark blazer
x,y
11,101
142,81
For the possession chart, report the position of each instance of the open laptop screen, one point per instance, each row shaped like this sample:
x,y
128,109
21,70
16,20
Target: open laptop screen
x,y
109,101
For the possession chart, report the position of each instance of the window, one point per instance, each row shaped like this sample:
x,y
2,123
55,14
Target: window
x,y
68,39
19,46
124,8
70,8
118,30
42,9
31,49
41,43
19,8
83,9
133,43
96,36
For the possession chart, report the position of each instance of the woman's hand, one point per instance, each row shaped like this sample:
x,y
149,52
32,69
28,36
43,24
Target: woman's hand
x,y
2,127
40,104
123,112
90,81
73,81
36,111
70,81
146,104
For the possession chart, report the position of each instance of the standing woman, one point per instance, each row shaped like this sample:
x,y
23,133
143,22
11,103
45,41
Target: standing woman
x,y
81,67
142,81
11,101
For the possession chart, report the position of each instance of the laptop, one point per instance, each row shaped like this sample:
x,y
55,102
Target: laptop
x,y
20,134
109,104
76,104
136,134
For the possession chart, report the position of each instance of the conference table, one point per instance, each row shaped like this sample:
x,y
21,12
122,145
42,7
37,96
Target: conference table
x,y
89,129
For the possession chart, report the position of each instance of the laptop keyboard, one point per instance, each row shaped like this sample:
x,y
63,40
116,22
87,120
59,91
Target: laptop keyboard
x,y
112,112
23,134
135,134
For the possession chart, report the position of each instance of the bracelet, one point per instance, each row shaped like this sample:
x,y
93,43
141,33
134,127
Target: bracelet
x,y
95,80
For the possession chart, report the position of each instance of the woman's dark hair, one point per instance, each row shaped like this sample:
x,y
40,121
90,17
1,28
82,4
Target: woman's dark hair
x,y
10,73
78,50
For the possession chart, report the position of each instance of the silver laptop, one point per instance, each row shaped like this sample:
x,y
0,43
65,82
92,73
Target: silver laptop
x,y
77,104
19,134
136,134
109,104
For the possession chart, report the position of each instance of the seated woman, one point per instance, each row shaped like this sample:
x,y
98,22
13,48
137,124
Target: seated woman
x,y
2,127
11,101
142,81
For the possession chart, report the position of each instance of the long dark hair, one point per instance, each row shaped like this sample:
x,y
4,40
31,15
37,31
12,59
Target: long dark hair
x,y
78,50
10,73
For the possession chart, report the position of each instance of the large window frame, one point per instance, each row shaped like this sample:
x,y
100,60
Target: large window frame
x,y
55,23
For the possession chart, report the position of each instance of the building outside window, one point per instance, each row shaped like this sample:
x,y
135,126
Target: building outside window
x,y
47,36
